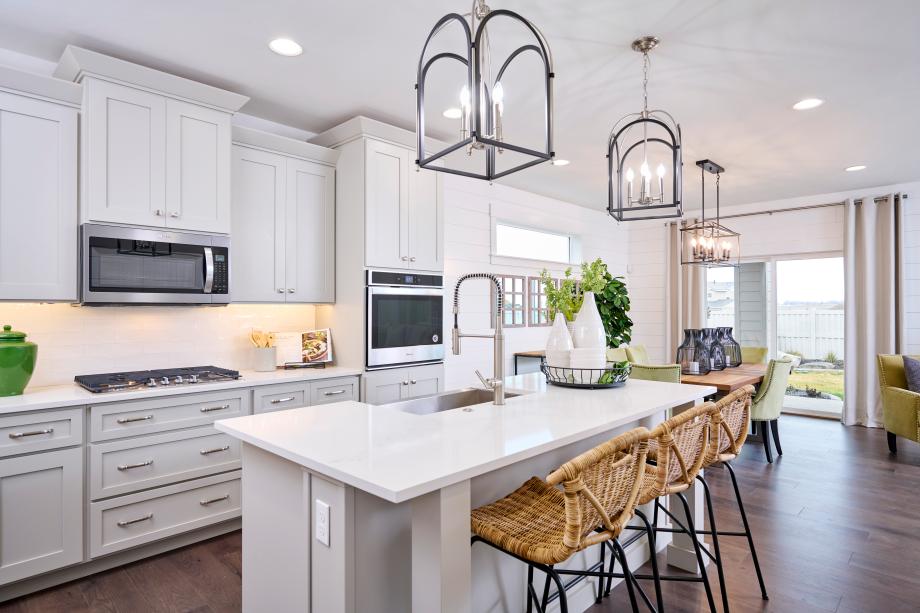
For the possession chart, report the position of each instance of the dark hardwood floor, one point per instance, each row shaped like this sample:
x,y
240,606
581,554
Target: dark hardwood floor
x,y
836,521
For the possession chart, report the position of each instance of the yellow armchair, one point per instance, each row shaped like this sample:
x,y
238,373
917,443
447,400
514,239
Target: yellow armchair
x,y
900,406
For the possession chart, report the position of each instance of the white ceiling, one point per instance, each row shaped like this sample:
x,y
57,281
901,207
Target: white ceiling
x,y
728,70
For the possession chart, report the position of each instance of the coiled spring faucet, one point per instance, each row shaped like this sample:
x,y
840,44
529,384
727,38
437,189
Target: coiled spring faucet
x,y
497,382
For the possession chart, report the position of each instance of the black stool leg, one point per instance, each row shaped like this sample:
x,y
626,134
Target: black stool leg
x,y
747,531
699,553
627,576
653,558
765,435
774,426
563,603
715,543
892,442
600,580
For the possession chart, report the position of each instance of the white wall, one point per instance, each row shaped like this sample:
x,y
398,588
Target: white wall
x,y
468,207
77,340
810,232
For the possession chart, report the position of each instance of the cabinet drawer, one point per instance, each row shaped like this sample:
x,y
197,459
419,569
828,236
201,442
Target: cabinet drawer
x,y
132,520
121,467
336,390
117,420
280,397
40,431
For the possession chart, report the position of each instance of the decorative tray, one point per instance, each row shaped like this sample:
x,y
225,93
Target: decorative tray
x,y
614,374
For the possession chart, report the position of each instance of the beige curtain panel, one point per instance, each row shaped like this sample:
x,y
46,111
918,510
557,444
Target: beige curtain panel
x,y
686,305
871,256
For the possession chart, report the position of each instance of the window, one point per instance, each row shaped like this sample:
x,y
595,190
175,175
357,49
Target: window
x,y
513,300
720,297
537,311
514,242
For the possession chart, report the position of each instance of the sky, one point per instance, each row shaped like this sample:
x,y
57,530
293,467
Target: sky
x,y
813,280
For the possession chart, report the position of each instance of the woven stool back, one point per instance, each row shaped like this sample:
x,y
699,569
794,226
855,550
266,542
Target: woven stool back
x,y
601,487
683,444
730,425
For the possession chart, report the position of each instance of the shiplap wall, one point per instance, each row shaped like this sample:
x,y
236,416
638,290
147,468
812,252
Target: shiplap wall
x,y
469,207
806,233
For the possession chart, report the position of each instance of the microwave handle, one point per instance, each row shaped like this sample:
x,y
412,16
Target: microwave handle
x,y
208,270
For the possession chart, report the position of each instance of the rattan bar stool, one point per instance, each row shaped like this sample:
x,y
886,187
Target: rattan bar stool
x,y
731,424
678,447
542,526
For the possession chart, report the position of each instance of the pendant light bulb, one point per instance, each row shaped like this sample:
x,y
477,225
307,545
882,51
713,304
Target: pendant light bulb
x,y
645,171
661,170
630,175
465,98
498,93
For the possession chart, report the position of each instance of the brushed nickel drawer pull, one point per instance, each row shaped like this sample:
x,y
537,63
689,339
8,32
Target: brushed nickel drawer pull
x,y
124,467
128,522
215,450
32,433
220,408
280,400
205,503
128,420
335,393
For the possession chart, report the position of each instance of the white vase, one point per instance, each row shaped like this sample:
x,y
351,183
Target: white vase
x,y
570,326
589,328
559,344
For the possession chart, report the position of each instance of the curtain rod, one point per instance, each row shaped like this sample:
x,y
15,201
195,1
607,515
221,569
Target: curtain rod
x,y
805,208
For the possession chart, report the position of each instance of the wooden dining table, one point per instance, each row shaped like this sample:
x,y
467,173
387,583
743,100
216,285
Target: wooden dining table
x,y
730,379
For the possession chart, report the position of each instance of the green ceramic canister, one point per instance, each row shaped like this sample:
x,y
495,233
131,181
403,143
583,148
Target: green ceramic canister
x,y
17,361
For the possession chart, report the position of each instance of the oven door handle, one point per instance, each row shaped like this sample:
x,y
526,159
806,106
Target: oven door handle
x,y
208,270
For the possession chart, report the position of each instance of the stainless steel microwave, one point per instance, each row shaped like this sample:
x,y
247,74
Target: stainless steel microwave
x,y
148,266
405,314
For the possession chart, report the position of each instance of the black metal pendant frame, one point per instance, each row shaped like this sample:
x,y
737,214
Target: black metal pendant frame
x,y
618,152
478,132
710,230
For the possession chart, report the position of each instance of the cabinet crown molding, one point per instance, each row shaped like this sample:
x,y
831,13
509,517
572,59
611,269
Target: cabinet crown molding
x,y
77,63
40,86
249,137
361,126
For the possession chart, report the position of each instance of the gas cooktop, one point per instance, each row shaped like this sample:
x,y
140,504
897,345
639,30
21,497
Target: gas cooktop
x,y
167,377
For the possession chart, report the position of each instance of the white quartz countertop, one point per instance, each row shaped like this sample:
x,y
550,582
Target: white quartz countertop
x,y
398,456
73,395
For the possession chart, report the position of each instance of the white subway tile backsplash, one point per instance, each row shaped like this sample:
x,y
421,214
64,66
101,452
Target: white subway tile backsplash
x,y
74,340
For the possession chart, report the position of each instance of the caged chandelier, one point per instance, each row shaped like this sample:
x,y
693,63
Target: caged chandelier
x,y
481,98
643,140
707,242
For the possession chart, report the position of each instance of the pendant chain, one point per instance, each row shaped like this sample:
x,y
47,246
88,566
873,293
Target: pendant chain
x,y
646,62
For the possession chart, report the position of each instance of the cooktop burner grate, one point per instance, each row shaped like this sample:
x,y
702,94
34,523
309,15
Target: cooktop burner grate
x,y
190,375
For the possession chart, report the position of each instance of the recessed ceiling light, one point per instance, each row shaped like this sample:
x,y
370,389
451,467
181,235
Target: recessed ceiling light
x,y
452,113
808,103
856,168
285,46
560,162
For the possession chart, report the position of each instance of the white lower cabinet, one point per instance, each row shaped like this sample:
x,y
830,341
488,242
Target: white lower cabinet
x,y
394,384
41,513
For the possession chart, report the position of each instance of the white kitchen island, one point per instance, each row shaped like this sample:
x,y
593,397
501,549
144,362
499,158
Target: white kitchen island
x,y
399,489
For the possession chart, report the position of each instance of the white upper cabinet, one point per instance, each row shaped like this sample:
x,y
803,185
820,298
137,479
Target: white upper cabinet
x,y
198,168
38,191
125,154
283,220
404,217
156,147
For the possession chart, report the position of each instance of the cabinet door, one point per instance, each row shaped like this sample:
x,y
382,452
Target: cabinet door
x,y
197,168
424,380
258,255
38,200
41,513
310,231
386,205
125,131
426,221
385,386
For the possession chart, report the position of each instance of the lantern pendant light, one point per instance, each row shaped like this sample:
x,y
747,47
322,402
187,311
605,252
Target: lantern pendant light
x,y
482,96
643,141
708,242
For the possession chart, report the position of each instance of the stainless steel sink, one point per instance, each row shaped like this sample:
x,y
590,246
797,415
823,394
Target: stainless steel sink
x,y
446,401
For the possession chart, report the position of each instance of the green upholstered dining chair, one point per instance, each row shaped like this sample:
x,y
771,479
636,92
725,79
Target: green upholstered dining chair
x,y
637,354
617,355
900,406
666,373
753,355
768,403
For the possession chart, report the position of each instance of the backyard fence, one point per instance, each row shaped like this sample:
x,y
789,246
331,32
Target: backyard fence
x,y
814,333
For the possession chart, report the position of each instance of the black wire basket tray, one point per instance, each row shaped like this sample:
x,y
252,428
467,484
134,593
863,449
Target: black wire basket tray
x,y
614,374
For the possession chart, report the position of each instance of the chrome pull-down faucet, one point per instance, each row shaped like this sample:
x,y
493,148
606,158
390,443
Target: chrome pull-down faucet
x,y
497,382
